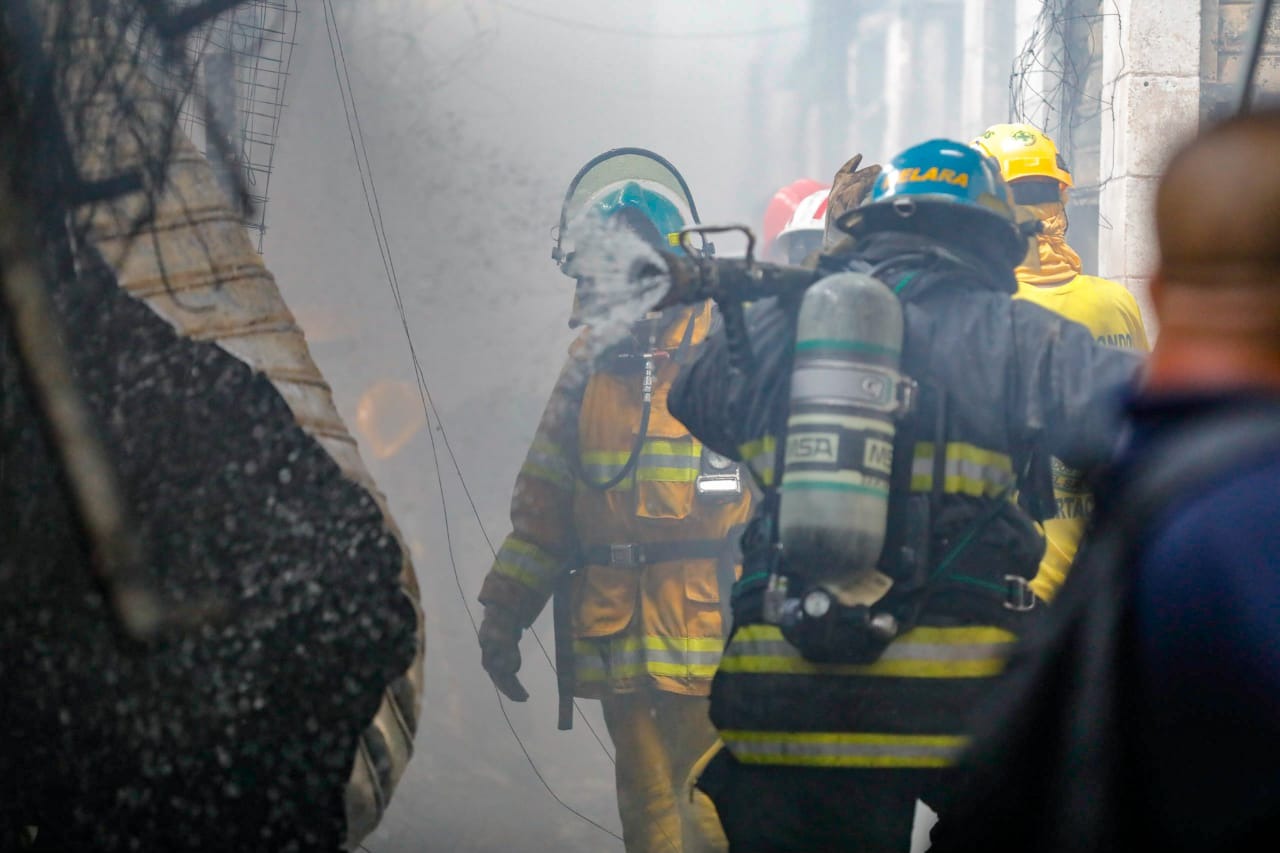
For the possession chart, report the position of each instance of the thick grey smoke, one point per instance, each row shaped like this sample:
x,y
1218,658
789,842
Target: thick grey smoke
x,y
475,115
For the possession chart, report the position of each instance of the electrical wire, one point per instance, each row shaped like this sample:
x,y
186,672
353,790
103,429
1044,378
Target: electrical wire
x,y
1049,82
586,26
375,211
363,167
1261,17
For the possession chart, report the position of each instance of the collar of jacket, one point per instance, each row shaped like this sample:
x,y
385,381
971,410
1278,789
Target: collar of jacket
x,y
1052,261
623,356
913,264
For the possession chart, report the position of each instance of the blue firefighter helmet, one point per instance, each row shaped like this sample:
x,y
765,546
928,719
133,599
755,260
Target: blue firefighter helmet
x,y
945,189
645,211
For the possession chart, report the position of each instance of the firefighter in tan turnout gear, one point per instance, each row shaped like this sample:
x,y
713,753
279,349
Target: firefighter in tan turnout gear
x,y
1050,276
627,520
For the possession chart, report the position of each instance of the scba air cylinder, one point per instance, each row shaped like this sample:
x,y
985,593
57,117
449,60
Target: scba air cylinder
x,y
839,449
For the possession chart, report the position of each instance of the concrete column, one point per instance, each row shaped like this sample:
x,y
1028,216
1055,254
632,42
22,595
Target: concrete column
x,y
897,78
973,112
990,43
872,94
934,113
1151,79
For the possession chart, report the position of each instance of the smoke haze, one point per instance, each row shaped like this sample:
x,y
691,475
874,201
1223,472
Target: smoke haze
x,y
475,116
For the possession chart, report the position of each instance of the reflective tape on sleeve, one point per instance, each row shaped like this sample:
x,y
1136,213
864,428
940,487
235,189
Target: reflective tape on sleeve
x,y
598,661
760,455
527,564
545,461
969,470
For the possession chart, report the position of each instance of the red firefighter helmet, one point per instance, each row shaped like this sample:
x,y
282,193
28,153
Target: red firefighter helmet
x,y
805,230
780,209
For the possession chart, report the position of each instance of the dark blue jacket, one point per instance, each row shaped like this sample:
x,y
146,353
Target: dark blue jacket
x,y
1206,599
1145,711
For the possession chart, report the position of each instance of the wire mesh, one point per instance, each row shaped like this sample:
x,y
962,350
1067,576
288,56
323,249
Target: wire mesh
x,y
239,68
1057,81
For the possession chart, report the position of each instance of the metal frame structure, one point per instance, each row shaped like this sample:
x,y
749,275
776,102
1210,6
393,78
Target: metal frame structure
x,y
241,62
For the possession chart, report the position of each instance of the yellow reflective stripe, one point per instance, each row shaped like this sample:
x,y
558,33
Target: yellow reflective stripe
x,y
923,652
841,749
629,657
683,657
546,461
660,461
760,455
686,448
683,450
527,564
597,660
969,470
604,457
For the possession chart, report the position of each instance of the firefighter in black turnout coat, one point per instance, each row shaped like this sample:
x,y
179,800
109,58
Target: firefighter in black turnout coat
x,y
841,702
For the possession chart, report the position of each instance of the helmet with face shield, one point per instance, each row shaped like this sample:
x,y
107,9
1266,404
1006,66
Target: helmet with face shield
x,y
624,202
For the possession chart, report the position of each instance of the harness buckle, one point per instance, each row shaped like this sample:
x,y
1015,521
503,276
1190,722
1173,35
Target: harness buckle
x,y
1017,594
627,555
906,394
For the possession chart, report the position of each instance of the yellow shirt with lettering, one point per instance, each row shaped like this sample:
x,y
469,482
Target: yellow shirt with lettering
x,y
1111,313
1102,306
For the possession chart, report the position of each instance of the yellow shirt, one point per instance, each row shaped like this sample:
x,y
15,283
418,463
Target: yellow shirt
x,y
1102,306
1111,313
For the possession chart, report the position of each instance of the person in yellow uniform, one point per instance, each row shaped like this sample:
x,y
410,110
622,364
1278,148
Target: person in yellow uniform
x,y
625,517
1050,276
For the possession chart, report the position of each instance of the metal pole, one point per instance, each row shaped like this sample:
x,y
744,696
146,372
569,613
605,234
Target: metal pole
x,y
118,551
1262,14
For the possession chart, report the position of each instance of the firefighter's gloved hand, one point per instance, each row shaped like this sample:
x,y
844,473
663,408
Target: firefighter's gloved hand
x,y
500,652
849,188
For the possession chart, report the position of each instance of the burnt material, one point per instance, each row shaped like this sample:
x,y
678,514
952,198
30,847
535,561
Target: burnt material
x,y
238,734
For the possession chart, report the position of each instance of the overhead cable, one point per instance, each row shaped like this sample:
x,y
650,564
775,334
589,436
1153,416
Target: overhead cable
x,y
364,168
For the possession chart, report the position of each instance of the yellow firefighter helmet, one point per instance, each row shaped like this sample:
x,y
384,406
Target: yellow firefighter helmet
x,y
1024,152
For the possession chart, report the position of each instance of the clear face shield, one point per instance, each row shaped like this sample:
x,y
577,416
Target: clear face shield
x,y
599,253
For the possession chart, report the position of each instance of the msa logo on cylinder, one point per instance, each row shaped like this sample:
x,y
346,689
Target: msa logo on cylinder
x,y
821,447
877,455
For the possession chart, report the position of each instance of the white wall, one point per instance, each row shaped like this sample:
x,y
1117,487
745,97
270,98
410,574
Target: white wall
x,y
1151,66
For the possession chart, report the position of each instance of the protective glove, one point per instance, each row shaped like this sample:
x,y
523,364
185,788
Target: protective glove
x,y
500,652
849,188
